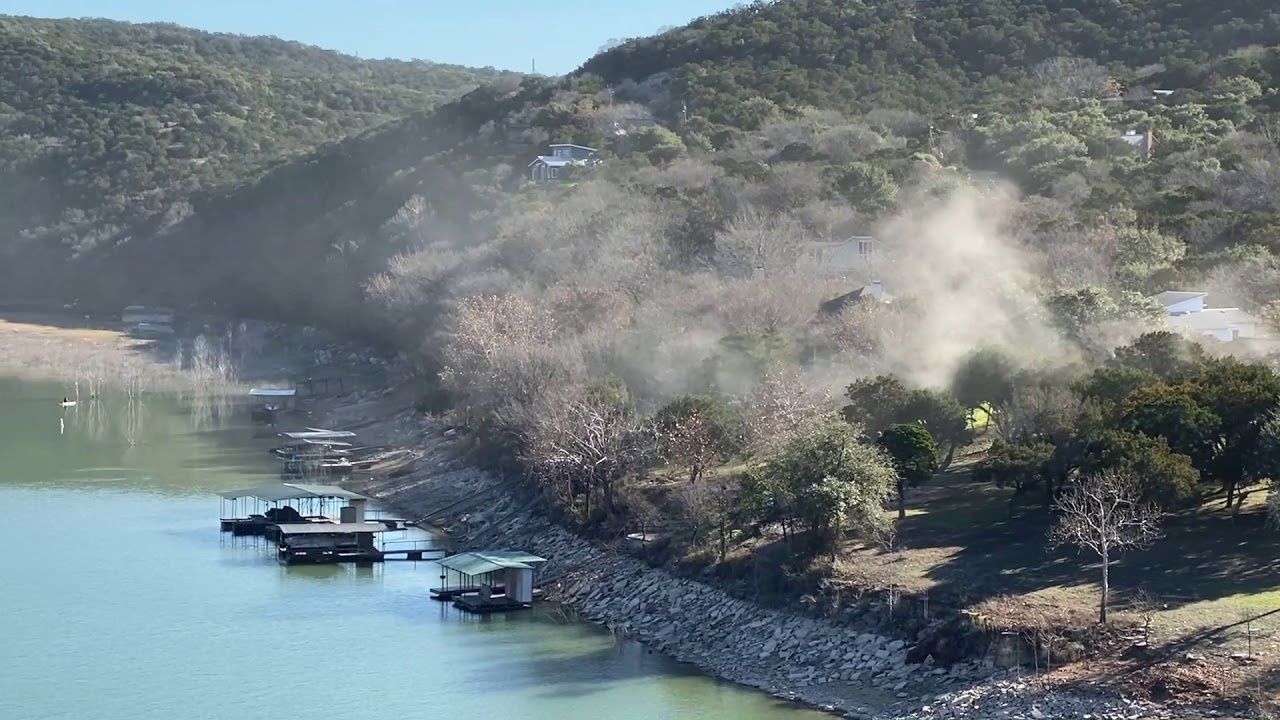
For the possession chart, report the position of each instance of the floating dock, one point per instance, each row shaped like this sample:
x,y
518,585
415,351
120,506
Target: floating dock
x,y
489,581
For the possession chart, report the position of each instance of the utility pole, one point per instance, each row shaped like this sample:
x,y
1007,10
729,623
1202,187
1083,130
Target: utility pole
x,y
533,66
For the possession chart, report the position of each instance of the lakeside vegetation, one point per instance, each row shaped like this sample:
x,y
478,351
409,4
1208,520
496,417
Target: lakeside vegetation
x,y
650,343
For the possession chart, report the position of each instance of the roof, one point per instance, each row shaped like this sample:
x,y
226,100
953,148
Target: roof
x,y
581,147
552,161
277,492
313,441
1173,297
331,528
1214,319
273,392
481,563
314,434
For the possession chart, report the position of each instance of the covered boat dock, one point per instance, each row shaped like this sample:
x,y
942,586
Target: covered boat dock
x,y
488,581
256,510
319,543
273,401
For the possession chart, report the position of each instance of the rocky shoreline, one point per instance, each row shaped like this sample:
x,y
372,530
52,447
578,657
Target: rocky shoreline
x,y
814,661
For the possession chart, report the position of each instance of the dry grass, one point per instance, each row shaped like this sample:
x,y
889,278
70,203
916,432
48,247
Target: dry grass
x,y
965,542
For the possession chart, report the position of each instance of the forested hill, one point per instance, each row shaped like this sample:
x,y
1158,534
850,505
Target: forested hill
x,y
835,114
105,124
936,55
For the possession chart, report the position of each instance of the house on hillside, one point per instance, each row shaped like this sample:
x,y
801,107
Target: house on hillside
x,y
548,168
1189,315
841,256
1143,142
873,293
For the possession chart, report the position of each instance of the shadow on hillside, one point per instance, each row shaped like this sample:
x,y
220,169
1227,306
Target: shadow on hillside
x,y
1203,555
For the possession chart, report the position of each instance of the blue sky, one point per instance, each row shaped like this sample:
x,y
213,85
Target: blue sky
x,y
559,34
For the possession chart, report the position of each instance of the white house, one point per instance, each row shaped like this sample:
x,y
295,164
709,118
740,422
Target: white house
x,y
852,253
1223,324
1188,314
545,168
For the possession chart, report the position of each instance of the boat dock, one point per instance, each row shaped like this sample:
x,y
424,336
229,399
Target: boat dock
x,y
488,581
300,522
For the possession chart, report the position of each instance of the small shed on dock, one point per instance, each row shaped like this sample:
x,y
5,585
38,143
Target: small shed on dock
x,y
510,570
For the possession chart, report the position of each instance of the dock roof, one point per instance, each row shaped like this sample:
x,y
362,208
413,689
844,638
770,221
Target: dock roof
x,y
480,563
316,434
322,443
331,528
273,392
277,492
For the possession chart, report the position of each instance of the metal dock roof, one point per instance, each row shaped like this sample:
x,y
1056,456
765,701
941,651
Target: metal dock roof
x,y
277,492
480,563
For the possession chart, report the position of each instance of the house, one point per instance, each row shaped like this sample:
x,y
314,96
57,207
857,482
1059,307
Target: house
x,y
1143,142
1222,324
1178,302
1188,314
852,253
546,168
873,293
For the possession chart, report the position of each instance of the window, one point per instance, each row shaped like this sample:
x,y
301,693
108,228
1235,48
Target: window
x,y
864,247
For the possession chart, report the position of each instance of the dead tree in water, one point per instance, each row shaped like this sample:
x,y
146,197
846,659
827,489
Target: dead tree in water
x,y
1103,514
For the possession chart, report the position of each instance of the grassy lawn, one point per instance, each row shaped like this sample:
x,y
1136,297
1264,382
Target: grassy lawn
x,y
965,544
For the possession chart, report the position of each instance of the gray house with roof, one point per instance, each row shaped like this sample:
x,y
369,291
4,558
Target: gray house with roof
x,y
546,168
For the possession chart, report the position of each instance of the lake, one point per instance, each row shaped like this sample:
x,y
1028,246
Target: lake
x,y
121,599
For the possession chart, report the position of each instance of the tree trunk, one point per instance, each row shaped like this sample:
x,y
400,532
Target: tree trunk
x,y
950,458
1231,492
723,549
1106,588
902,499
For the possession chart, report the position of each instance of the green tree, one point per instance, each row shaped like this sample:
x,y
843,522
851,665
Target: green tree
x,y
1163,353
827,481
1172,412
1021,466
876,403
1160,476
1245,399
984,377
914,455
869,187
1141,253
657,143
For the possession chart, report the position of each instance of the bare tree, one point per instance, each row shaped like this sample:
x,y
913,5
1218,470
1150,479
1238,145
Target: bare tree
x,y
710,505
781,407
755,241
1071,77
691,443
1103,514
583,445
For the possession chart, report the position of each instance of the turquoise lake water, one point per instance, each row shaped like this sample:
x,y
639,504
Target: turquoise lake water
x,y
120,599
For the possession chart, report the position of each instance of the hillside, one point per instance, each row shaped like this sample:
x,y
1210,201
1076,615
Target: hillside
x,y
935,56
104,125
959,217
